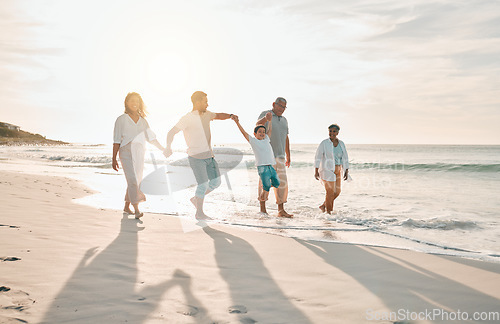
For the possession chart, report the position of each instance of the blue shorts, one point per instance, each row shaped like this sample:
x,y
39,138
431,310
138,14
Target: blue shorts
x,y
207,174
268,176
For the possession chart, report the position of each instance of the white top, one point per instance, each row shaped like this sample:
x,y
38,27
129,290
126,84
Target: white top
x,y
325,159
263,151
196,128
127,131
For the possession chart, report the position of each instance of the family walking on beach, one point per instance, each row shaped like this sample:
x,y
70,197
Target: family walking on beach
x,y
270,144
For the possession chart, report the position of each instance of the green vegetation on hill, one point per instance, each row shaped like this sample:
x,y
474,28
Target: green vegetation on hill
x,y
13,137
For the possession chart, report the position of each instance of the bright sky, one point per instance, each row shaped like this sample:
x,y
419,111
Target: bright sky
x,y
386,71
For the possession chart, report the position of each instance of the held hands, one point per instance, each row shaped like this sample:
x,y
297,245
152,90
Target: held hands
x,y
288,162
269,116
235,118
316,174
346,174
167,152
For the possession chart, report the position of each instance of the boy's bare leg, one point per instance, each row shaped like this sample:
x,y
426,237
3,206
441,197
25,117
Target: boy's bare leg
x,y
263,195
322,207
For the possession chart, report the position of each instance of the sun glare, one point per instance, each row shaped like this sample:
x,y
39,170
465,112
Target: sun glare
x,y
167,73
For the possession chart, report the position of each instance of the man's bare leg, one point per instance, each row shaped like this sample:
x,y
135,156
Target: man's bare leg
x,y
282,212
263,207
198,204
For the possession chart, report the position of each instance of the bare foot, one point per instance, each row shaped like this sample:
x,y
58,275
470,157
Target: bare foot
x,y
128,211
202,216
263,215
322,207
138,215
283,213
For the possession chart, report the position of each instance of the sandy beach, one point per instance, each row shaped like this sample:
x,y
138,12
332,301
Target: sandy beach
x,y
67,263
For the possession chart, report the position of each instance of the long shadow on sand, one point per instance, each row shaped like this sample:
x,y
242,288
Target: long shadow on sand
x,y
256,296
96,294
403,286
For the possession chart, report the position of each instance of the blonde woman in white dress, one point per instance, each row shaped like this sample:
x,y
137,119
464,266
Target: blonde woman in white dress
x,y
129,141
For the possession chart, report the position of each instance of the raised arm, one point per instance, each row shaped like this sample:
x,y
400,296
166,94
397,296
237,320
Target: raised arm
x,y
236,120
262,121
222,116
269,118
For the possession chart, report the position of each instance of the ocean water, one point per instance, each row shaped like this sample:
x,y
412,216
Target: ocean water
x,y
432,198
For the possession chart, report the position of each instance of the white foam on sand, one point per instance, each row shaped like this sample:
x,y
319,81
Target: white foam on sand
x,y
358,217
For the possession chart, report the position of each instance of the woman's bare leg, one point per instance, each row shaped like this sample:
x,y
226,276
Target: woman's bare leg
x,y
127,208
137,213
330,191
337,184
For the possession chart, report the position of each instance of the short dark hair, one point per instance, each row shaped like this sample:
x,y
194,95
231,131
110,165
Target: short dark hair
x,y
197,96
334,126
257,128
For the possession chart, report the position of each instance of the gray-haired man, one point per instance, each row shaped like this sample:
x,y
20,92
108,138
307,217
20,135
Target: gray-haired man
x,y
281,148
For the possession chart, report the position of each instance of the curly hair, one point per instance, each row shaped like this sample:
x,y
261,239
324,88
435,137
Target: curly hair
x,y
142,107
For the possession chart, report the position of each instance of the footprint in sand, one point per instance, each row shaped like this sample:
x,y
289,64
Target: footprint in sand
x,y
188,310
9,226
3,259
237,309
240,309
247,320
14,302
8,320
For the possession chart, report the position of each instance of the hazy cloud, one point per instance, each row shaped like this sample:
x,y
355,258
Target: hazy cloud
x,y
384,67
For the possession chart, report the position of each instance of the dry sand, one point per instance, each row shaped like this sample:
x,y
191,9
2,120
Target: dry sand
x,y
67,263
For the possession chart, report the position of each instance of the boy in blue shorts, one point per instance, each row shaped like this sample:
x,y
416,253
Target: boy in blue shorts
x,y
264,156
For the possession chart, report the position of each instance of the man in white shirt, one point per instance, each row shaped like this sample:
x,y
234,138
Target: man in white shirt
x,y
196,128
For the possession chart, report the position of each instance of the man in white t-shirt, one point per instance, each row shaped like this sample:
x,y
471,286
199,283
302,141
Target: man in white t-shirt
x,y
196,128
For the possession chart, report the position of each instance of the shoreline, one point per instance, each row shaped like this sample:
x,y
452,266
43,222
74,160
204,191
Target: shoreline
x,y
361,228
95,265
